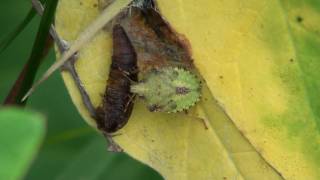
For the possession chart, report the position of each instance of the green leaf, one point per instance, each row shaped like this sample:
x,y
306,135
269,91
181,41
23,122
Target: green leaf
x,y
28,74
21,133
9,38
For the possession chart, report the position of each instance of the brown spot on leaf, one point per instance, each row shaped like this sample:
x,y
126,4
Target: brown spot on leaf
x,y
156,43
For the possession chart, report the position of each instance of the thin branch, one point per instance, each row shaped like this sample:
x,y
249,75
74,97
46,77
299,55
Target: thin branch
x,y
12,97
26,78
108,14
69,65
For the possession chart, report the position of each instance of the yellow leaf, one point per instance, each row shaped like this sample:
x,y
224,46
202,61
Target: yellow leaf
x,y
241,49
248,54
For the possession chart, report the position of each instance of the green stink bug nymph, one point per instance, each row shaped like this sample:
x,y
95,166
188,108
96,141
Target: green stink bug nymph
x,y
168,89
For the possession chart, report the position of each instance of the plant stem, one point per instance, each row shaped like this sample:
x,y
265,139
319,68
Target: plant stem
x,y
26,77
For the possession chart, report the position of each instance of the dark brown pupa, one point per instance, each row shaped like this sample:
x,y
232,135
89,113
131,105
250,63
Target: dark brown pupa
x,y
117,103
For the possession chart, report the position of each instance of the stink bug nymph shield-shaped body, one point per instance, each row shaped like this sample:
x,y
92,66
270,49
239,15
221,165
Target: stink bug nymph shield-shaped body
x,y
169,89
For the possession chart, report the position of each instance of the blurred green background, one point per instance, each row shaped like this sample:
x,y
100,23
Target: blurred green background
x,y
71,150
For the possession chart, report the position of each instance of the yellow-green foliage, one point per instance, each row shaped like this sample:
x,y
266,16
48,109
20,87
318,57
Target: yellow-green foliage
x,y
260,61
